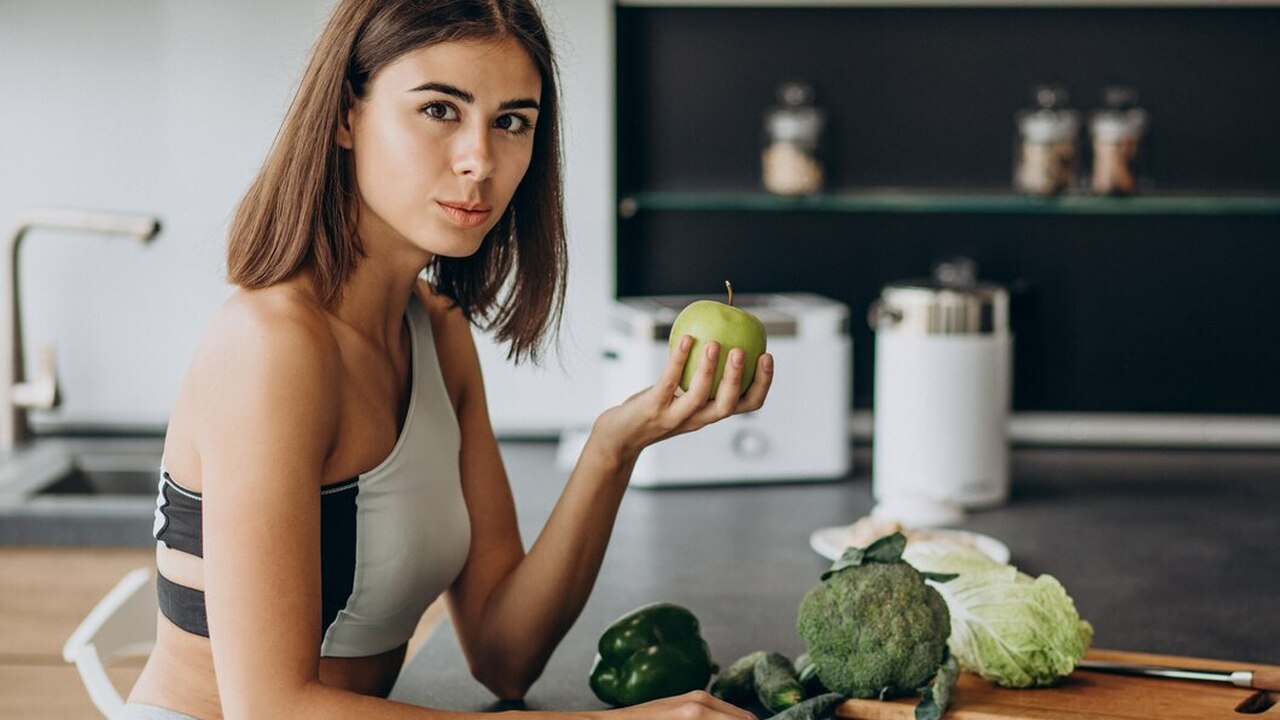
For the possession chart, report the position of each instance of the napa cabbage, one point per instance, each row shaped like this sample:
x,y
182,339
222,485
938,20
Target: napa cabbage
x,y
1013,629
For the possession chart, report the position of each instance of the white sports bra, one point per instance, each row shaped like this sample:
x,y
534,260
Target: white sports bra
x,y
392,539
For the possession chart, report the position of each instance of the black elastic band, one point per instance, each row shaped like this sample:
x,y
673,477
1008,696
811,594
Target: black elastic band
x,y
183,606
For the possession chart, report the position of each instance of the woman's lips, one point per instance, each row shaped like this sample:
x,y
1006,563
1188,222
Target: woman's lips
x,y
466,215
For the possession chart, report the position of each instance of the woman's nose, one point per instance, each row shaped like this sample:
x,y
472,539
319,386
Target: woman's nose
x,y
473,155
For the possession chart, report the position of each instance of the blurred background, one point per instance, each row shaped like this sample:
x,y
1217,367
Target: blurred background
x,y
1163,307
1083,193
169,108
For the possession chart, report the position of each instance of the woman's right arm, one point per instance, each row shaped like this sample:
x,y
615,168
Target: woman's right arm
x,y
268,410
267,414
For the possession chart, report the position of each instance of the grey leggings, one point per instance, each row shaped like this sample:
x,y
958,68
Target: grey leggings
x,y
138,711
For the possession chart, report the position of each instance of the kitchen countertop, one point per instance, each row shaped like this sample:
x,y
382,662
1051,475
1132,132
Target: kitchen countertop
x,y
1168,552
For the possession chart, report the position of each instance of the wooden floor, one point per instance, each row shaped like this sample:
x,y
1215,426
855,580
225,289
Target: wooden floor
x,y
44,594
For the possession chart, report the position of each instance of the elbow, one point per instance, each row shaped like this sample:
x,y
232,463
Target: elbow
x,y
295,701
507,681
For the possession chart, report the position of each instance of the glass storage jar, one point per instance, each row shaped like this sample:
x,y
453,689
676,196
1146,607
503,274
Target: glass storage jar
x,y
791,162
1046,151
1116,133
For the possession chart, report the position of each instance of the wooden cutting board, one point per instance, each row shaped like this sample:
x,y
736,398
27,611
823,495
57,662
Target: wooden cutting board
x,y
1089,696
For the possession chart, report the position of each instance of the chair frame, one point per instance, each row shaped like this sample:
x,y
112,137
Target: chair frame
x,y
122,624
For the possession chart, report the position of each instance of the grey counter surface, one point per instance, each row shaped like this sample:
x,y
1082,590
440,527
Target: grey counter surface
x,y
1169,552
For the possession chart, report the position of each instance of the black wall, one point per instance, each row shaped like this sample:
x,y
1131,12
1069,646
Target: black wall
x,y
1111,313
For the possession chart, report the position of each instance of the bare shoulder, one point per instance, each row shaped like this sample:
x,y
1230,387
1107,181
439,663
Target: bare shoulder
x,y
267,358
276,326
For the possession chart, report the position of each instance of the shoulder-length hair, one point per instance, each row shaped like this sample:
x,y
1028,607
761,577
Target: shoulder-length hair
x,y
298,213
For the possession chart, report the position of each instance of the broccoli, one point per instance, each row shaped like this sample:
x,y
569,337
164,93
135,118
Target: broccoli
x,y
872,626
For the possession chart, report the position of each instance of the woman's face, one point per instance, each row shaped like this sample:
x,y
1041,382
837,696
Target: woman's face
x,y
440,141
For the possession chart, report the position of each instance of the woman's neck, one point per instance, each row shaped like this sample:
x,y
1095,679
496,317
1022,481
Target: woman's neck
x,y
376,295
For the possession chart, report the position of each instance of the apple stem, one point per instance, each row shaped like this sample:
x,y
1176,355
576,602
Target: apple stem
x,y
728,285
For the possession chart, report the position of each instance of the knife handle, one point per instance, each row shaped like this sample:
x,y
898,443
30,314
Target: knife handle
x,y
1266,679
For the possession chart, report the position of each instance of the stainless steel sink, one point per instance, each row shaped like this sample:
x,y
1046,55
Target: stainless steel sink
x,y
82,481
80,491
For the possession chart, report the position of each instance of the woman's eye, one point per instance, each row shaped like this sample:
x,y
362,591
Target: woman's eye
x,y
440,111
514,124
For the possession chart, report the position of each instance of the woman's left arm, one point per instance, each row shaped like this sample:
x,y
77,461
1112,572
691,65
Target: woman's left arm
x,y
510,609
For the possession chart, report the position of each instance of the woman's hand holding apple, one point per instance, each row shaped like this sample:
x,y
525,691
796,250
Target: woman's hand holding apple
x,y
707,321
663,410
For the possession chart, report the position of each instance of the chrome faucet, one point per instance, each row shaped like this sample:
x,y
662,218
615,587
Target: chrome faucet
x,y
17,392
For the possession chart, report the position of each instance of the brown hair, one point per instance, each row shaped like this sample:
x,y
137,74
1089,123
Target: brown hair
x,y
299,214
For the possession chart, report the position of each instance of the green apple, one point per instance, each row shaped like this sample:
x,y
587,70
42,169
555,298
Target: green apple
x,y
707,321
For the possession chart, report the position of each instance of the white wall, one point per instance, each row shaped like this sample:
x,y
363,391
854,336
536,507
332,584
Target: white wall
x,y
567,391
168,108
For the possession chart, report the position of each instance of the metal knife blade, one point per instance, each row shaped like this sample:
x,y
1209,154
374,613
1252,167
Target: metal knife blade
x,y
1239,678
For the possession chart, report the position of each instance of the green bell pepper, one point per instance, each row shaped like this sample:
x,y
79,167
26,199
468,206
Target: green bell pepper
x,y
652,652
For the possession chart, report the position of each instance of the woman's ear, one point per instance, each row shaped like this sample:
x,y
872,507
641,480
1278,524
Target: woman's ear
x,y
344,137
344,132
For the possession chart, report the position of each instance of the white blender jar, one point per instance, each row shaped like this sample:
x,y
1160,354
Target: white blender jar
x,y
943,382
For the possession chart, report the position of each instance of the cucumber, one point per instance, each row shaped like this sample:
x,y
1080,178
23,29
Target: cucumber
x,y
736,685
777,684
807,672
822,707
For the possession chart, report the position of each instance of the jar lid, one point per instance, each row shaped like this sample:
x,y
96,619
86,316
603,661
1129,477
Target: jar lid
x,y
1111,125
925,307
801,124
1051,120
795,118
1045,126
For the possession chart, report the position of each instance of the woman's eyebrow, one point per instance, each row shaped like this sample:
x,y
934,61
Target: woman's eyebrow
x,y
447,89
468,98
520,103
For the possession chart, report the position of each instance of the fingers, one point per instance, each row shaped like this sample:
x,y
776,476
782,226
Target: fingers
x,y
760,384
669,381
700,386
678,413
730,399
720,706
696,705
726,399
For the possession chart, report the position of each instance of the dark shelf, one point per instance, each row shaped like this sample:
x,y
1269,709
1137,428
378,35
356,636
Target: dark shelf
x,y
901,200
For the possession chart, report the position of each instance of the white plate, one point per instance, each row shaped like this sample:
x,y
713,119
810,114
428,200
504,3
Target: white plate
x,y
830,542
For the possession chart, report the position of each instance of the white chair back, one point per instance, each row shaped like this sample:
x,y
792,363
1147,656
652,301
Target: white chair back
x,y
122,624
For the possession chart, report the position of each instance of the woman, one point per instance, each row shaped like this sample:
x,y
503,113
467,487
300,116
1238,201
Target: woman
x,y
330,468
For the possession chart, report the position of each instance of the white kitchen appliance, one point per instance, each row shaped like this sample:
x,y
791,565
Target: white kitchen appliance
x,y
942,389
802,432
